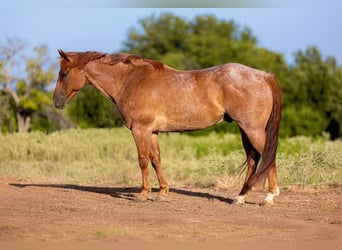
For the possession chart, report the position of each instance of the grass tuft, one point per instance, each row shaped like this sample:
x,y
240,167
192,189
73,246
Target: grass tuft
x,y
108,156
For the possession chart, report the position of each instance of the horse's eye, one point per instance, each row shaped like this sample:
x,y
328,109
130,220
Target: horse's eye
x,y
63,74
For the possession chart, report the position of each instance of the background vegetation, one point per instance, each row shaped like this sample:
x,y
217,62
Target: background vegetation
x,y
108,156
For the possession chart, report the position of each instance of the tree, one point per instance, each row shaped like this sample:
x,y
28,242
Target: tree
x,y
203,42
313,94
163,38
28,93
7,116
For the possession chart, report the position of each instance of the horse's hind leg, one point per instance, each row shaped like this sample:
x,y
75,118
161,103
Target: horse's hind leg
x,y
252,161
273,189
257,139
156,163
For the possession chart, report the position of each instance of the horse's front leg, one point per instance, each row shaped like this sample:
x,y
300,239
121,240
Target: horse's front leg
x,y
142,138
156,163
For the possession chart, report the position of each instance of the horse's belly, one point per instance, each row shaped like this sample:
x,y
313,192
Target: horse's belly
x,y
187,122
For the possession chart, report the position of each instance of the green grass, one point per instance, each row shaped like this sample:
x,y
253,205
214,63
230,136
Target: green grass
x,y
107,233
108,157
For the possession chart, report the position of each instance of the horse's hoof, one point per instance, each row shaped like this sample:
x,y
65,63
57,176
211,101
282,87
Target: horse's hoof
x,y
238,200
161,198
267,203
141,198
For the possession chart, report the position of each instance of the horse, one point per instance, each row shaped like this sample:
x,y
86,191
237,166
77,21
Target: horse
x,y
153,97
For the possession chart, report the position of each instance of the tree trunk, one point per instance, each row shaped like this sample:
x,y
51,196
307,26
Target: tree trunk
x,y
24,123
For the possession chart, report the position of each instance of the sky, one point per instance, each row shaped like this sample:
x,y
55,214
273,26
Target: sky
x,y
283,30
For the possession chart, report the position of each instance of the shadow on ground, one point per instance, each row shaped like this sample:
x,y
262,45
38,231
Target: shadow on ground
x,y
128,193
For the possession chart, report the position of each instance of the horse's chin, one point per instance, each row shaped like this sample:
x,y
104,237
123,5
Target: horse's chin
x,y
60,106
59,103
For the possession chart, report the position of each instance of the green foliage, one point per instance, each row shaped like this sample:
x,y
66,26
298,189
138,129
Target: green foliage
x,y
49,119
91,109
302,120
203,42
32,90
39,71
26,95
312,94
160,35
7,114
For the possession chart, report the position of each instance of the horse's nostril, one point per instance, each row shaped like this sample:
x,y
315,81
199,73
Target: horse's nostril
x,y
59,102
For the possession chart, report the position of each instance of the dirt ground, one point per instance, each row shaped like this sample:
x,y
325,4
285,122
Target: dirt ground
x,y
62,213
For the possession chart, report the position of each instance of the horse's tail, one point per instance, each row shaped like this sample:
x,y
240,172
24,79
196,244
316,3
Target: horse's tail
x,y
272,132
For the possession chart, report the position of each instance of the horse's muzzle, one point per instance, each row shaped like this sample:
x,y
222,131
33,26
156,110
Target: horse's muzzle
x,y
59,102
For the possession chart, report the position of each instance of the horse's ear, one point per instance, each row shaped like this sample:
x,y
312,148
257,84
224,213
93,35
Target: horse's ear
x,y
63,55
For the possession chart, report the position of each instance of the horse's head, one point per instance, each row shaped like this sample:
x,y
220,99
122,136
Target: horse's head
x,y
71,79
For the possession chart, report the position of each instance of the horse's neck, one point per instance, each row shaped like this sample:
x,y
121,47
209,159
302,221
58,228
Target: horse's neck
x,y
107,79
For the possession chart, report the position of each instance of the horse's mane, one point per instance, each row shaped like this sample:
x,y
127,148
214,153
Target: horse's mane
x,y
131,59
83,58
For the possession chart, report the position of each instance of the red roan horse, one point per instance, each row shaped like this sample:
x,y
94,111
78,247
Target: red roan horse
x,y
153,97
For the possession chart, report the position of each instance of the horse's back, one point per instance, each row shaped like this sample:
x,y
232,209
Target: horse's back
x,y
242,75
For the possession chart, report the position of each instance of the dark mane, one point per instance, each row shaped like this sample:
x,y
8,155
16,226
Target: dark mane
x,y
82,58
134,60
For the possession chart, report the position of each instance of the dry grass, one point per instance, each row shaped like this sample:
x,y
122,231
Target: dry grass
x,y
103,156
